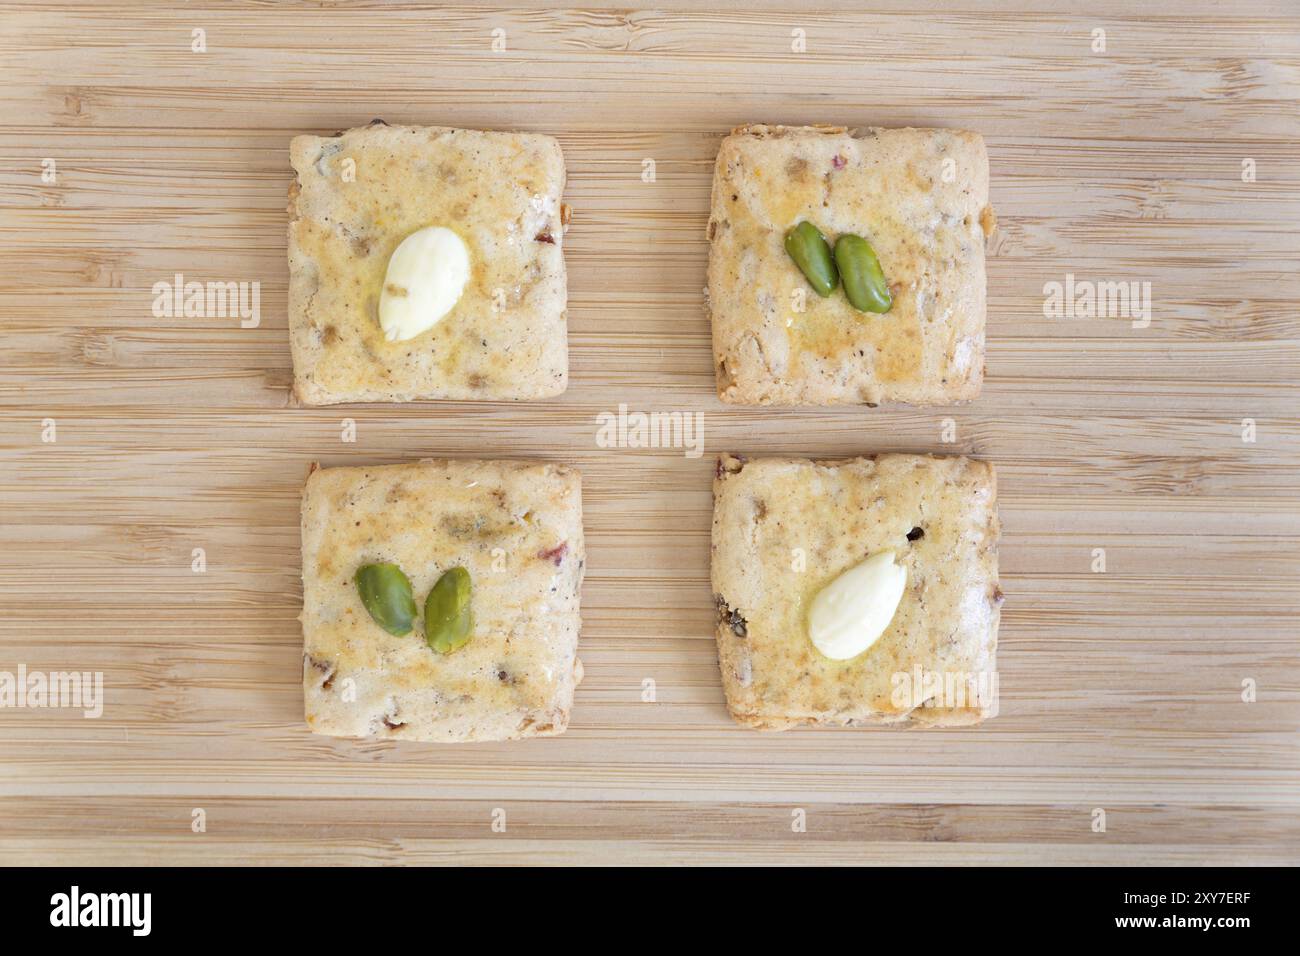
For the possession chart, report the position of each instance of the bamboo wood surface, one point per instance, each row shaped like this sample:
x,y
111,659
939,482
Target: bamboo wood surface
x,y
1120,690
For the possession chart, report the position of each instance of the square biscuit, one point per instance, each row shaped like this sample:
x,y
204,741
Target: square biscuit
x,y
919,196
358,195
516,527
784,528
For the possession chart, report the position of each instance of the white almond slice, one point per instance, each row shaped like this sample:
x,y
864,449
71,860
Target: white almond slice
x,y
853,611
426,276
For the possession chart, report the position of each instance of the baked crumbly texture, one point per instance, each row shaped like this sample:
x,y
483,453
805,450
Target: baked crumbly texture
x,y
516,527
358,195
919,196
772,516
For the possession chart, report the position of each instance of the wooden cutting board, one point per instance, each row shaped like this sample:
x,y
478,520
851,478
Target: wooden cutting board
x,y
1169,157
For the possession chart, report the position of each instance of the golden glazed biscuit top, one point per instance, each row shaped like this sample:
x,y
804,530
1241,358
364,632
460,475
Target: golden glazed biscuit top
x,y
515,528
359,195
918,196
785,528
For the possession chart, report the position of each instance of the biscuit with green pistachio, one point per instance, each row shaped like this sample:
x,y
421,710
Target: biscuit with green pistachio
x,y
906,324
493,555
